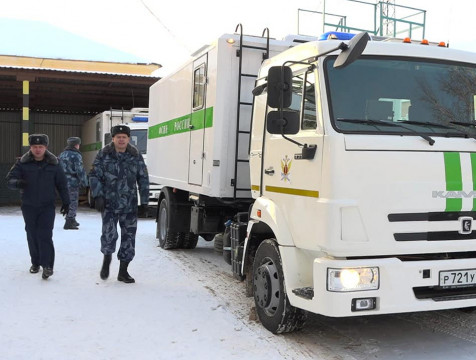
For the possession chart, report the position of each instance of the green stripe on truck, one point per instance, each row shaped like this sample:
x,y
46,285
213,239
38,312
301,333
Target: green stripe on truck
x,y
454,181
182,124
473,171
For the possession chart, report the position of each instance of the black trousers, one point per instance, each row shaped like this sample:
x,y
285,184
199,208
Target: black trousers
x,y
39,222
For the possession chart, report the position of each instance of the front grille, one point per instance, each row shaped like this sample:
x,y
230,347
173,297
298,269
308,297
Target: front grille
x,y
440,294
453,216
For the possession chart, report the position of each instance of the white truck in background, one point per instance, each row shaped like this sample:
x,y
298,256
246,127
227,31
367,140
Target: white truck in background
x,y
96,133
350,192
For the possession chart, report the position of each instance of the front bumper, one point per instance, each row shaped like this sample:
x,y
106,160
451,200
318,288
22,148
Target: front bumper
x,y
396,292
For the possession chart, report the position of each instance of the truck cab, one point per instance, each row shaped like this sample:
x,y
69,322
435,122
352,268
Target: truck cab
x,y
364,179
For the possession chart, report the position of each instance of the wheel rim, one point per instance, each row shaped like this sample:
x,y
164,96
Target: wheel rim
x,y
163,222
266,287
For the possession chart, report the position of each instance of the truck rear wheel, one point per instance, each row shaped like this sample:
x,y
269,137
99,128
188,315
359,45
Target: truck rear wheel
x,y
90,199
272,304
190,241
218,243
227,246
167,239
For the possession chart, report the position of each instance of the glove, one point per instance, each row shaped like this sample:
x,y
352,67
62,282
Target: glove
x,y
99,203
64,209
143,210
21,184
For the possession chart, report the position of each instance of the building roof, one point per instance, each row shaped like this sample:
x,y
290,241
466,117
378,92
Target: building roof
x,y
74,86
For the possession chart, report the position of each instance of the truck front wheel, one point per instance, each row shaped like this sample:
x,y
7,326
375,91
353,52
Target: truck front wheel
x,y
167,239
272,304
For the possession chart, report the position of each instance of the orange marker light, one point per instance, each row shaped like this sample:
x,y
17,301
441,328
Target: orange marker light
x,y
258,212
230,41
425,42
407,40
442,44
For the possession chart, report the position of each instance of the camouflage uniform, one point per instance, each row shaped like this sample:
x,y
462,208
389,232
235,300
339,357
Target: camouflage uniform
x,y
114,177
72,164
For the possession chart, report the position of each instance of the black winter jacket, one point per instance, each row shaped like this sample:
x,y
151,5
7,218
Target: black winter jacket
x,y
41,177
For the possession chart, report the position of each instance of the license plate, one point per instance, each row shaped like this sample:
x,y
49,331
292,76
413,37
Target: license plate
x,y
458,278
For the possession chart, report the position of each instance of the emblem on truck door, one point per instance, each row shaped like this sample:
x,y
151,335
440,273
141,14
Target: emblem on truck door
x,y
466,225
286,168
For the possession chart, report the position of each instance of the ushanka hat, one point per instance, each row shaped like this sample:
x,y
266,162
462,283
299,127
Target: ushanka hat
x,y
73,141
121,129
38,139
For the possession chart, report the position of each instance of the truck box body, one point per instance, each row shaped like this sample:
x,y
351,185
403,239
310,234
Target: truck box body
x,y
194,140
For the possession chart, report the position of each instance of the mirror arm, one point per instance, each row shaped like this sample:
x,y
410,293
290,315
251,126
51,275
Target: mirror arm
x,y
291,140
342,46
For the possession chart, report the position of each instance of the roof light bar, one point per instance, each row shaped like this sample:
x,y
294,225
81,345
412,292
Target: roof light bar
x,y
335,35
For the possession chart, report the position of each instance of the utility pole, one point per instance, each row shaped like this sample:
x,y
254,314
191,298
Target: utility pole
x,y
323,16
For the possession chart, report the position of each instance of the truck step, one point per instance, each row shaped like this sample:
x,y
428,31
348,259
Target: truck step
x,y
305,292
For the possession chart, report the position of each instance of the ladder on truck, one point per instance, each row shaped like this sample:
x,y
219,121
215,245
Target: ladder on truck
x,y
244,129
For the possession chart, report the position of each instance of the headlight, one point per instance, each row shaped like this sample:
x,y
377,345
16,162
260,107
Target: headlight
x,y
353,279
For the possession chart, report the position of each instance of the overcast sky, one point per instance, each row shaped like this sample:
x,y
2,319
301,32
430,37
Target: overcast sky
x,y
166,32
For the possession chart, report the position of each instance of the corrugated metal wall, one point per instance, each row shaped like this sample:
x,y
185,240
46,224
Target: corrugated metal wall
x,y
58,127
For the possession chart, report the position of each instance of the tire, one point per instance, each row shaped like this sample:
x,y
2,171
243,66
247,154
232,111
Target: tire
x,y
180,238
190,241
90,199
167,239
272,304
218,243
227,246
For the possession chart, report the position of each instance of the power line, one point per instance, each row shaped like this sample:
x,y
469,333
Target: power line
x,y
165,27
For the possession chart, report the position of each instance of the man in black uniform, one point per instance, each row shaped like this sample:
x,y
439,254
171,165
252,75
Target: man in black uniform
x,y
37,174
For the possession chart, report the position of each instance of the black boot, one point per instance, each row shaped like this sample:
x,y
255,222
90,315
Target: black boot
x,y
69,225
47,272
75,222
34,269
123,274
105,267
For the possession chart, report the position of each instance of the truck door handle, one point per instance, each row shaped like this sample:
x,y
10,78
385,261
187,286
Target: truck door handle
x,y
269,171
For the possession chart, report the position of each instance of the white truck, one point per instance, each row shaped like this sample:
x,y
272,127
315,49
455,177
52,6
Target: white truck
x,y
96,133
362,174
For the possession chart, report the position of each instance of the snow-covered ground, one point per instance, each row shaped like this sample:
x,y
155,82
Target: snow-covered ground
x,y
185,304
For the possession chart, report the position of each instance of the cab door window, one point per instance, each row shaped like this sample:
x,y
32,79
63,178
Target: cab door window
x,y
309,120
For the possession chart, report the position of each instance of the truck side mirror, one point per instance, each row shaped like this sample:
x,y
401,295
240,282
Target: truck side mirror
x,y
280,87
355,48
283,122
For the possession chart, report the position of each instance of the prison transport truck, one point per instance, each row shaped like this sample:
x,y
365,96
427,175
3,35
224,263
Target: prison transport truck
x,y
362,174
96,133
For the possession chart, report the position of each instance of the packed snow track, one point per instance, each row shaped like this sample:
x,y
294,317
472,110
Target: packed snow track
x,y
185,304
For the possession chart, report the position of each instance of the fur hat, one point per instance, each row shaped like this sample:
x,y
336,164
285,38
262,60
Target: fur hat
x,y
73,141
38,139
120,129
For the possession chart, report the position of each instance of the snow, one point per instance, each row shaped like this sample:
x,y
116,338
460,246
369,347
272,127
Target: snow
x,y
185,304
76,315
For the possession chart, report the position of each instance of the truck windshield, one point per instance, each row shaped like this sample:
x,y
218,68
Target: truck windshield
x,y
414,97
139,140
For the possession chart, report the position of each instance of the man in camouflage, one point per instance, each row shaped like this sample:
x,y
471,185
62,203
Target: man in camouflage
x,y
72,162
117,169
